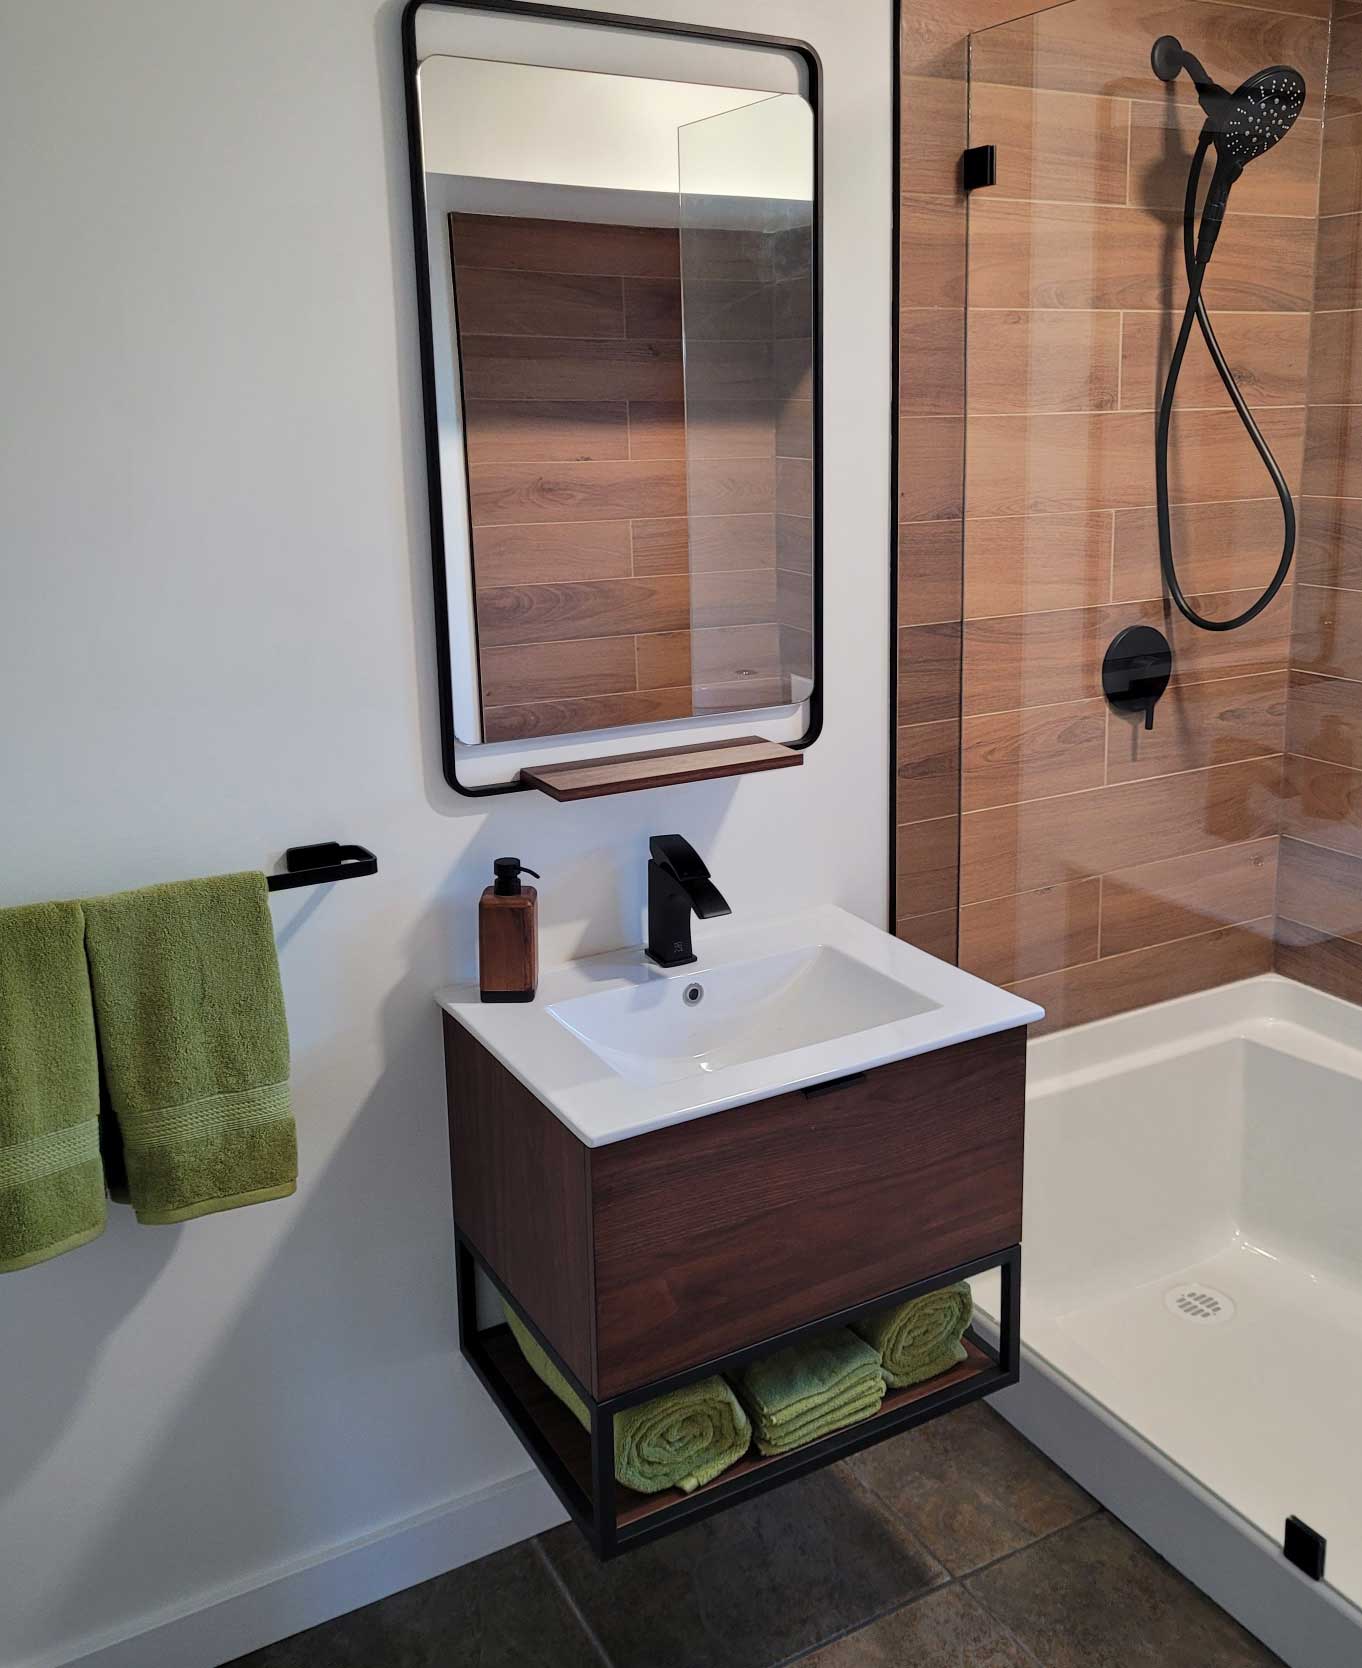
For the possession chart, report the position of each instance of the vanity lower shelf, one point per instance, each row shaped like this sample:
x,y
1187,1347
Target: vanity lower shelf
x,y
579,1465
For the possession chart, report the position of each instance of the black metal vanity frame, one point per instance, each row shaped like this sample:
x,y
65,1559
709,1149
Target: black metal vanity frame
x,y
642,25
595,1512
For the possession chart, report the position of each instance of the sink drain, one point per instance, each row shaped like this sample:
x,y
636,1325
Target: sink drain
x,y
692,994
1203,1304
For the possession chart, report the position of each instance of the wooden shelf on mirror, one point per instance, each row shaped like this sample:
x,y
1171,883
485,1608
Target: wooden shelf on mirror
x,y
630,772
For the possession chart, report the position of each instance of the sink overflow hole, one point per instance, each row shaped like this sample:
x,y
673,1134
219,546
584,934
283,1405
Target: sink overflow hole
x,y
693,994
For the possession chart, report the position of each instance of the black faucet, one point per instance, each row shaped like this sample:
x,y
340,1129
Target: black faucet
x,y
678,882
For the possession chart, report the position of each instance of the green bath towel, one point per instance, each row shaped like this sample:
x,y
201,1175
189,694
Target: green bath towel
x,y
921,1338
192,1034
51,1180
681,1440
811,1389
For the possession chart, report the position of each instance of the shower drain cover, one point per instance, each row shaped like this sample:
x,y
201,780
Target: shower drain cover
x,y
1203,1304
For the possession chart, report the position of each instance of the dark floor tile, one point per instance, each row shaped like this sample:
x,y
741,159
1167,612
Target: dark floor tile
x,y
505,1611
971,1488
946,1630
1094,1596
752,1585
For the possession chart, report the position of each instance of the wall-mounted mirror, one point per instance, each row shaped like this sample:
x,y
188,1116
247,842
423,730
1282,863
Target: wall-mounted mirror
x,y
618,255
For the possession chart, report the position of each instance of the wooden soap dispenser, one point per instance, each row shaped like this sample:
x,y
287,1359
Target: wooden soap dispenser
x,y
508,935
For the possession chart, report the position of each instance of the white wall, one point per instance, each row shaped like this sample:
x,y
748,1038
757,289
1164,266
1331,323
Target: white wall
x,y
606,132
216,640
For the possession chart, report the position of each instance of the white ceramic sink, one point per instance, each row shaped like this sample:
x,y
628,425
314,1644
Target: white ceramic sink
x,y
616,1046
668,1029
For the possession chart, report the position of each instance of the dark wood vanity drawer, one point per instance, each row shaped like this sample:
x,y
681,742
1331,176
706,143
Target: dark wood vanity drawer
x,y
660,1252
751,1221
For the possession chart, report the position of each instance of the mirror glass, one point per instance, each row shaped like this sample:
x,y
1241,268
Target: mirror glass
x,y
623,313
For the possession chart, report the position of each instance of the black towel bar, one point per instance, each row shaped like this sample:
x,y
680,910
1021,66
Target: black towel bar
x,y
315,865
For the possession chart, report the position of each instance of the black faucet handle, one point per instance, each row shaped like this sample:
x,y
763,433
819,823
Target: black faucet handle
x,y
676,853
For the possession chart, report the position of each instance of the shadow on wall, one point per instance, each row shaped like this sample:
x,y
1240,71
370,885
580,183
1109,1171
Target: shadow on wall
x,y
50,1368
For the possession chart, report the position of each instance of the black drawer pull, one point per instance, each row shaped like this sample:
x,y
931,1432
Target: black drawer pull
x,y
815,1090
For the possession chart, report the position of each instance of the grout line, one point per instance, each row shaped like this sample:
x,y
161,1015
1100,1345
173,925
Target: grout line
x,y
993,1615
1120,362
1145,312
1269,936
571,1602
1089,608
1187,683
1049,1535
1101,912
1099,412
1125,869
1130,144
1112,787
1152,210
870,1621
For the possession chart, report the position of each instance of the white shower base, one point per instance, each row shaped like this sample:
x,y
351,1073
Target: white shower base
x,y
1192,1291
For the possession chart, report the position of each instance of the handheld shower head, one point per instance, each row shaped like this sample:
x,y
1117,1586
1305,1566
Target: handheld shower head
x,y
1242,125
1260,114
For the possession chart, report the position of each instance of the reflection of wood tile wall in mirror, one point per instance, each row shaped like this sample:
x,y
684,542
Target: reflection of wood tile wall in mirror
x,y
570,340
642,534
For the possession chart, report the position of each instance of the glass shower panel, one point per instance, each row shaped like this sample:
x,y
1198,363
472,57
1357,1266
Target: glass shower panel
x,y
747,337
1103,865
1319,900
1107,867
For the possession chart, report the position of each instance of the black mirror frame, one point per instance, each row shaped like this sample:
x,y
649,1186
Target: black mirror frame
x,y
435,495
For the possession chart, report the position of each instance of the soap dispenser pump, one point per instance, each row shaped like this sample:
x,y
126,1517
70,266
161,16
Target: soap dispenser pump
x,y
508,935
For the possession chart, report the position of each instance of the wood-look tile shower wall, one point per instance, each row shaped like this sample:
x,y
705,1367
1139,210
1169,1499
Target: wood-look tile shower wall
x,y
1056,846
1319,889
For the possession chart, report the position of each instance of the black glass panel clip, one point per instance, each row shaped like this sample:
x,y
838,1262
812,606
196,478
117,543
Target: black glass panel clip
x,y
316,865
979,167
1304,1547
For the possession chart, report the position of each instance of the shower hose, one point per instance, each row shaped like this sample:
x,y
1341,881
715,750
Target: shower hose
x,y
1196,313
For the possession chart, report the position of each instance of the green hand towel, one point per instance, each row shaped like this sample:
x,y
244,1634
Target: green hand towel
x,y
810,1389
191,1026
921,1338
681,1440
51,1180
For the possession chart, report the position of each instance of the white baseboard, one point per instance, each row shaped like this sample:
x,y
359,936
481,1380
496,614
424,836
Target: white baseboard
x,y
223,1625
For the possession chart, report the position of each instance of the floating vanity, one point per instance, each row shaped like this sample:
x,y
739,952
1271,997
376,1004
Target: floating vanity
x,y
670,1173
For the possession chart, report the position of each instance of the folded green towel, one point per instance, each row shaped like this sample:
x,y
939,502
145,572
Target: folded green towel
x,y
681,1440
192,1034
920,1338
848,1410
811,1389
51,1180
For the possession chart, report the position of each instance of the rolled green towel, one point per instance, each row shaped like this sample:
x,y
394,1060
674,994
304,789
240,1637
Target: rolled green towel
x,y
921,1338
811,1389
51,1179
681,1440
190,1017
